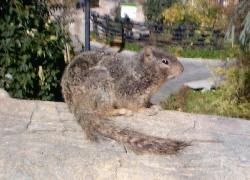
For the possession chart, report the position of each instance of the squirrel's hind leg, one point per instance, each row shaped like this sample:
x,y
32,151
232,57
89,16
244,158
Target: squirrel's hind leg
x,y
86,122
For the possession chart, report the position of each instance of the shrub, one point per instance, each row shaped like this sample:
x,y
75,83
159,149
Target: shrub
x,y
201,13
154,8
208,102
31,50
239,75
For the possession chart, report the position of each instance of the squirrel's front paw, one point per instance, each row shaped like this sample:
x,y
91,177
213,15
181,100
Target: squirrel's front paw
x,y
121,112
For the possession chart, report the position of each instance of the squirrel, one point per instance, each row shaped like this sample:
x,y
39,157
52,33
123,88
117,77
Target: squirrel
x,y
96,83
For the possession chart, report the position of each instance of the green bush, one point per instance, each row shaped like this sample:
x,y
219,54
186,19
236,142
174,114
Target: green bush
x,y
31,50
237,86
208,102
154,8
238,90
201,12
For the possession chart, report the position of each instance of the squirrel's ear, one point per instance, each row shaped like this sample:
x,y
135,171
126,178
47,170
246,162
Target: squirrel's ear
x,y
147,55
148,51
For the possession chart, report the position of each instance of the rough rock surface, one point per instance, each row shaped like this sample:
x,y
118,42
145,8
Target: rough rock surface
x,y
41,140
205,85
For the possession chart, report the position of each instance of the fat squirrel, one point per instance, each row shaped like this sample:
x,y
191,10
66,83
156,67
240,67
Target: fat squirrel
x,y
95,84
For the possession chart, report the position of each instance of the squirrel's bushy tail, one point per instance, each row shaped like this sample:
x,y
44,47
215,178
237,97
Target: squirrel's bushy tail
x,y
139,142
136,141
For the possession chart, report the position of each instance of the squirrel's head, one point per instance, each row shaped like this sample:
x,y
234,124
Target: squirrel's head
x,y
163,62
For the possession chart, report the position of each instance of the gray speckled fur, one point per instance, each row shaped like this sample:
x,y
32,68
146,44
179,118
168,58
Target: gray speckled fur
x,y
95,83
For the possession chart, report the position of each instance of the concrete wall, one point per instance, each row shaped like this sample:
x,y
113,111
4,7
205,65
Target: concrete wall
x,y
76,30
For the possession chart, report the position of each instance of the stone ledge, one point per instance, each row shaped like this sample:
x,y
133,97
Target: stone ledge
x,y
41,140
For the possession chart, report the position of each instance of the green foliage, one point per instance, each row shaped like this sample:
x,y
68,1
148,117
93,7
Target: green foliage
x,y
237,86
201,52
154,8
192,101
239,27
128,4
239,75
209,102
244,37
199,22
31,50
132,46
202,13
233,97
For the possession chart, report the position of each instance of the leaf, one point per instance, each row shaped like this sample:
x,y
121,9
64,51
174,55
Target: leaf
x,y
39,51
41,75
53,38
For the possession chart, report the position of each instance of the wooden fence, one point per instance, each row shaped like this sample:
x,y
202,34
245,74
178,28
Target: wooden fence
x,y
125,30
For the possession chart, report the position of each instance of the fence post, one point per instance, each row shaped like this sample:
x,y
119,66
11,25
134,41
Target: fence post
x,y
87,25
95,25
123,35
106,28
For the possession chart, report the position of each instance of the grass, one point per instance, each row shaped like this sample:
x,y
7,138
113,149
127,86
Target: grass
x,y
202,52
129,4
198,52
132,46
209,102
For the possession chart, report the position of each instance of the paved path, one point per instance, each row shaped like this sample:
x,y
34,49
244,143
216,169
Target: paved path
x,y
194,70
41,140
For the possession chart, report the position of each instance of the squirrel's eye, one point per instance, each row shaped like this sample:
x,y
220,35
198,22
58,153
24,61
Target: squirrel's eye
x,y
165,61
